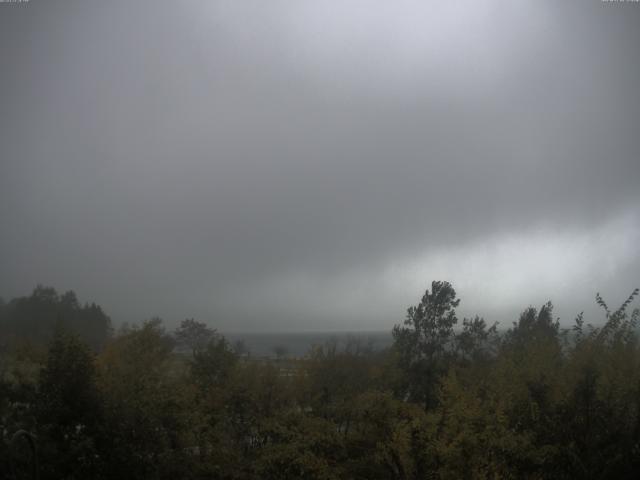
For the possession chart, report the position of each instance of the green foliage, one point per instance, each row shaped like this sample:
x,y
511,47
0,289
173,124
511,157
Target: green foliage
x,y
477,343
67,391
385,437
534,327
68,409
447,401
334,376
299,446
193,335
37,316
427,345
425,342
212,363
146,404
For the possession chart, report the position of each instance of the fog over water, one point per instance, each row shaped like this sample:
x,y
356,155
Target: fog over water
x,y
309,166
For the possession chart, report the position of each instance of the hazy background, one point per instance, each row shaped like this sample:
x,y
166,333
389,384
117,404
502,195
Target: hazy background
x,y
313,165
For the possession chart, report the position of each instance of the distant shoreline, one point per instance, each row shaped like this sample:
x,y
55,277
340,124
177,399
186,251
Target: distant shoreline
x,y
300,343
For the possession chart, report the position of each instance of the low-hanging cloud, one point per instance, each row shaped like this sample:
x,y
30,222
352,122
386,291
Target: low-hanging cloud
x,y
315,165
496,277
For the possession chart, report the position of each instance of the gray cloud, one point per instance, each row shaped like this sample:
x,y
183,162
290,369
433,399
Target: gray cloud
x,y
315,165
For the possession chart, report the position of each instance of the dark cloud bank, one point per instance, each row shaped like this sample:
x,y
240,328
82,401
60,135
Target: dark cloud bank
x,y
314,165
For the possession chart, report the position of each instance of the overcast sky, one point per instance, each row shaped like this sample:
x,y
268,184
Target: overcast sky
x,y
314,165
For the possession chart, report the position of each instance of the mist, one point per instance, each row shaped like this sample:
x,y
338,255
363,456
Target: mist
x,y
309,166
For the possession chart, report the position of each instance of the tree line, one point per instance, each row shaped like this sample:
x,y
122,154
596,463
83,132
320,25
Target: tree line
x,y
450,399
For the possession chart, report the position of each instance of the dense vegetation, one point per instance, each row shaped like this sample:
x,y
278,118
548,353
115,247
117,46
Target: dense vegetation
x,y
34,318
449,400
